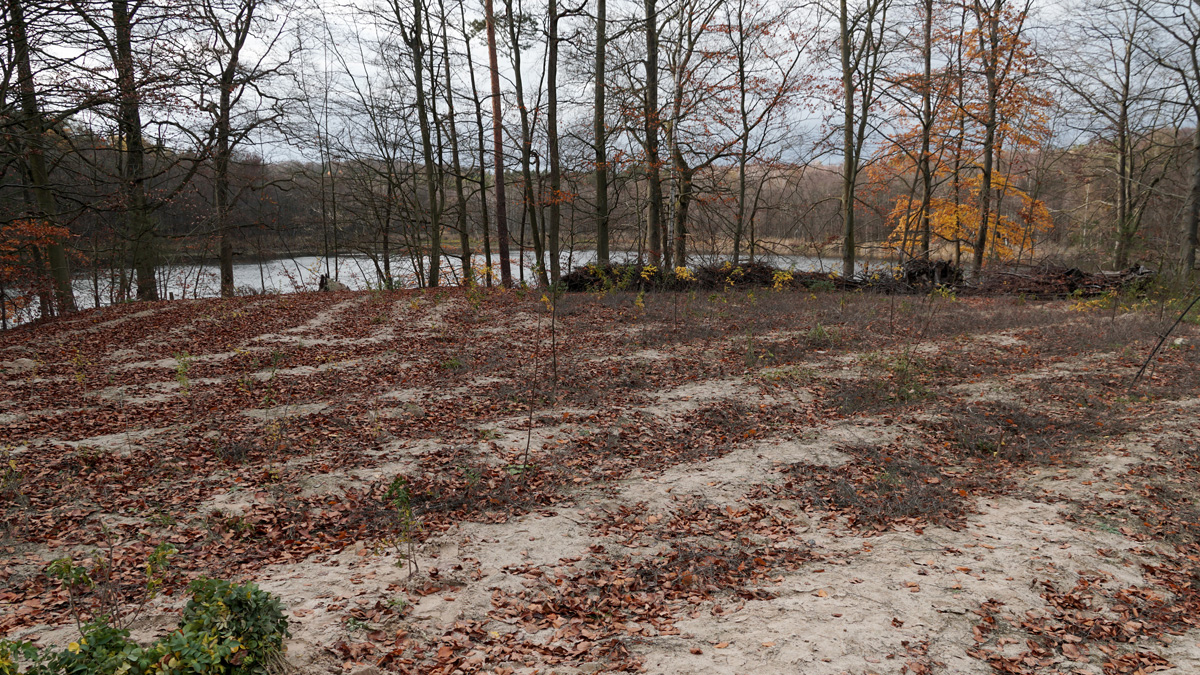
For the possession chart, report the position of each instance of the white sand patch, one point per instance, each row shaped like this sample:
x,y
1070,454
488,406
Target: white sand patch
x,y
404,395
327,316
318,594
894,588
693,395
18,366
285,411
123,442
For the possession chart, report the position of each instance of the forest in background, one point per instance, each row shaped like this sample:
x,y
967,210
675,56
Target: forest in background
x,y
141,133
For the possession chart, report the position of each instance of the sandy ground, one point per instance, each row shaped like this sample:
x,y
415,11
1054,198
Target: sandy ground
x,y
902,598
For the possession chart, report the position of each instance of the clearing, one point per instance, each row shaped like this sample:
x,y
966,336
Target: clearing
x,y
741,482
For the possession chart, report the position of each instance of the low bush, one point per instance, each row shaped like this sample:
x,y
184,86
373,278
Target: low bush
x,y
234,629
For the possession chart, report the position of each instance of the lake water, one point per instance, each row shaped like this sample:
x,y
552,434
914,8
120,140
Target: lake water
x,y
358,272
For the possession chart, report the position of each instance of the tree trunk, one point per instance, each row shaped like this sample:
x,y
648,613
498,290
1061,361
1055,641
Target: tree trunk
x,y
682,201
743,150
539,245
468,277
417,47
926,130
1191,231
34,126
849,158
654,216
483,206
552,143
139,225
221,178
990,54
1124,229
498,152
602,255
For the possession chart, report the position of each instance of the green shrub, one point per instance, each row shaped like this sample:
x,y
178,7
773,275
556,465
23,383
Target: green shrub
x,y
227,628
102,649
244,625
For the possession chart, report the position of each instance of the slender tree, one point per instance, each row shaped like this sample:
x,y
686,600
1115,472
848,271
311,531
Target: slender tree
x,y
32,124
498,148
600,135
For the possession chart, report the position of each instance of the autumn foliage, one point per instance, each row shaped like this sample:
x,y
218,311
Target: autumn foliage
x,y
22,263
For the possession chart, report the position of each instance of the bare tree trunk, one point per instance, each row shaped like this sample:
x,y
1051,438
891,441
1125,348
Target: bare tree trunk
x,y
498,142
539,245
233,39
849,160
483,207
34,127
1124,222
654,216
1191,231
926,130
744,149
139,227
602,255
552,142
989,50
221,194
417,46
460,204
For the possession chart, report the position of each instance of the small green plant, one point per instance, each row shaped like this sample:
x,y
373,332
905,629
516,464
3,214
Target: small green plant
x,y
752,356
161,519
94,591
945,293
406,527
473,476
183,363
518,469
475,296
820,337
794,374
11,480
906,372
453,363
78,363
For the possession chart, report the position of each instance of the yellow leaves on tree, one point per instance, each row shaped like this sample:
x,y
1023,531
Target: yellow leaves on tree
x,y
1012,227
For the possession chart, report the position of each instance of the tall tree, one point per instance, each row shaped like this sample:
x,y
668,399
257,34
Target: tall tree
x,y
117,38
1116,91
498,147
996,50
413,35
241,52
655,233
600,134
516,21
862,46
33,137
553,223
482,147
460,214
1178,51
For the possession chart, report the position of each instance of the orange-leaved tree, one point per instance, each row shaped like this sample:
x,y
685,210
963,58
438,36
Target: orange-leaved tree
x,y
24,264
1013,222
952,158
